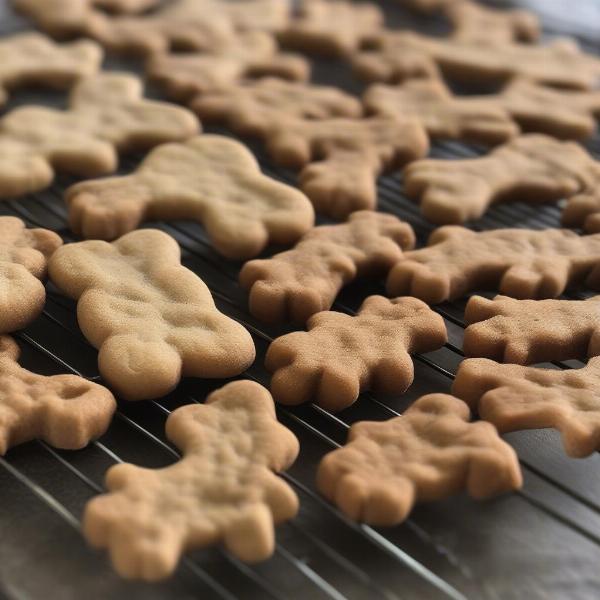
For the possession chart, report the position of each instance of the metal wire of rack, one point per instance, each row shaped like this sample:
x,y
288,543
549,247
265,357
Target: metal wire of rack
x,y
543,542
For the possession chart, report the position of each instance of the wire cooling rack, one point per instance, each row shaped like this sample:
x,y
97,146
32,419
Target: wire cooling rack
x,y
541,542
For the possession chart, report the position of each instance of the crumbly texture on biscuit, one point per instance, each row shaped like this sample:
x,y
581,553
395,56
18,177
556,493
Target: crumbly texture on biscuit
x,y
429,453
66,411
254,107
249,54
471,119
211,179
152,320
296,284
332,27
532,168
340,159
106,114
224,489
24,255
66,18
513,397
32,58
341,355
532,331
522,263
187,25
401,55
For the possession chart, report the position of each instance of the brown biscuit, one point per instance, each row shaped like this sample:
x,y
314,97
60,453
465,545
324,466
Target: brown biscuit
x,y
513,397
223,489
342,158
187,25
400,55
252,54
296,284
32,58
66,18
341,355
23,257
532,168
253,107
65,411
211,179
522,263
475,23
532,331
332,27
153,320
430,452
106,113
472,119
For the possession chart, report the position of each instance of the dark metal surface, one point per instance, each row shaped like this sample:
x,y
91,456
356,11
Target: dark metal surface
x,y
542,542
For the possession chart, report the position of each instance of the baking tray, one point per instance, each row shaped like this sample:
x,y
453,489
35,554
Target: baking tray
x,y
541,542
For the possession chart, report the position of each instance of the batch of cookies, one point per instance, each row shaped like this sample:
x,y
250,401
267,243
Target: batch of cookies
x,y
242,63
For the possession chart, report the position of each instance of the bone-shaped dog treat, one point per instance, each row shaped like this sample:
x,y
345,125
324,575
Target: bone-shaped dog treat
x,y
533,168
513,397
223,489
211,179
342,158
340,355
153,320
473,22
401,55
107,113
253,107
252,54
66,18
32,58
521,263
532,331
303,281
332,27
23,257
443,115
187,24
64,410
429,453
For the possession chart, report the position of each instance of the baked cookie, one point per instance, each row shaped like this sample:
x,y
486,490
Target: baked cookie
x,y
430,452
152,320
223,489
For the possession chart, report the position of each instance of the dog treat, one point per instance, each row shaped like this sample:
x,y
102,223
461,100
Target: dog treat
x,y
521,263
66,18
293,285
254,54
342,158
211,179
473,119
152,320
188,25
23,257
341,355
429,453
32,58
253,107
332,27
532,168
513,397
473,22
400,55
223,489
532,331
66,411
107,113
